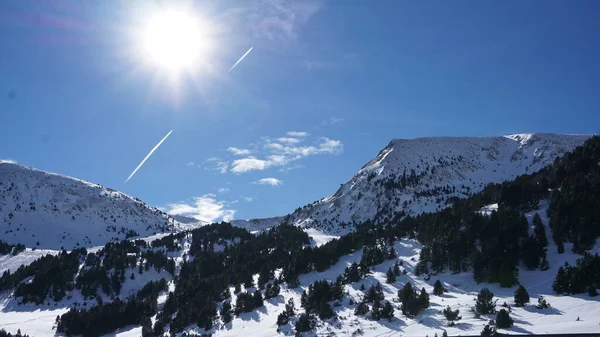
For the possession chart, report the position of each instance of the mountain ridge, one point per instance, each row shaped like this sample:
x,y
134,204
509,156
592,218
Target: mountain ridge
x,y
48,210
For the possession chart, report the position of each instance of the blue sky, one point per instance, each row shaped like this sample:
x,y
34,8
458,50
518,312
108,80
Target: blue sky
x,y
326,86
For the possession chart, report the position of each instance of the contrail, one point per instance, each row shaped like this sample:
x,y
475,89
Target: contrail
x,y
240,59
148,156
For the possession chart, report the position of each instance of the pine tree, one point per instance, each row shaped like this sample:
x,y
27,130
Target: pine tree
x,y
397,269
542,303
376,310
303,324
521,296
451,315
226,312
390,276
539,231
484,302
361,309
147,327
290,308
325,311
444,334
387,311
560,283
438,288
257,299
592,291
488,331
423,300
503,319
282,319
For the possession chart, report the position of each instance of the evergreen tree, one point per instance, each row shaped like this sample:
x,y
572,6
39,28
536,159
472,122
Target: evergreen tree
x,y
592,291
376,310
390,276
539,231
325,311
484,302
361,309
226,312
444,334
438,288
290,308
521,296
542,303
257,299
387,311
147,327
397,269
375,293
561,281
503,319
488,331
304,323
282,319
451,315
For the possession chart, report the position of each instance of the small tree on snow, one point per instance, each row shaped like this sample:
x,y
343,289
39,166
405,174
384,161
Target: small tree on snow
x,y
438,288
521,296
451,315
503,319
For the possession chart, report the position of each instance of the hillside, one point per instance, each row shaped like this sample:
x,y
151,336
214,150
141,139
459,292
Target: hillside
x,y
46,210
411,176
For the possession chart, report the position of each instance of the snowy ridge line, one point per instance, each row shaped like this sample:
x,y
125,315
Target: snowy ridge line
x,y
412,176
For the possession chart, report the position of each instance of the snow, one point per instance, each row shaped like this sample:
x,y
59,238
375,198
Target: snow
x,y
50,211
561,318
488,209
460,165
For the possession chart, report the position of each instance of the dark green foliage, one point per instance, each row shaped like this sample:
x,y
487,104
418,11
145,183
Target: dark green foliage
x,y
503,319
320,292
488,331
484,302
413,303
580,277
304,323
521,296
390,276
325,311
272,291
4,333
147,327
592,291
284,317
375,293
387,311
52,277
438,288
451,315
225,312
361,309
247,302
108,317
539,231
542,303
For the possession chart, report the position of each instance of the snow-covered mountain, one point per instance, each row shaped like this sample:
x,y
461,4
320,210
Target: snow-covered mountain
x,y
46,210
411,176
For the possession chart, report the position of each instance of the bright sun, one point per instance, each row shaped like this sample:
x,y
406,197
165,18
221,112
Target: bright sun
x,y
175,40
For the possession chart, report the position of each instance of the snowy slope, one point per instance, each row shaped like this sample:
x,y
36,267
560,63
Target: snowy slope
x,y
561,318
59,211
420,175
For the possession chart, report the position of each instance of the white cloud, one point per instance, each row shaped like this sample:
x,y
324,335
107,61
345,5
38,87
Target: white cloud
x,y
282,155
268,181
332,121
297,133
247,199
238,152
278,20
288,140
189,163
10,161
206,208
249,164
217,164
223,190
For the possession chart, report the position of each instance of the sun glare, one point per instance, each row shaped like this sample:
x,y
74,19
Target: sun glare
x,y
175,40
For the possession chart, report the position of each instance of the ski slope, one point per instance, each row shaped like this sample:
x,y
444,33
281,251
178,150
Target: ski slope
x,y
561,318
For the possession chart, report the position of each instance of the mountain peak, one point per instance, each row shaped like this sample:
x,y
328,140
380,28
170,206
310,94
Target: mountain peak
x,y
411,176
47,210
